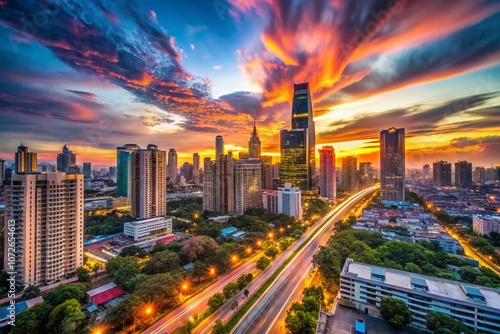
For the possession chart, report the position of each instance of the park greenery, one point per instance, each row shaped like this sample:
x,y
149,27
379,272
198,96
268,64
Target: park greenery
x,y
439,323
395,312
301,317
102,222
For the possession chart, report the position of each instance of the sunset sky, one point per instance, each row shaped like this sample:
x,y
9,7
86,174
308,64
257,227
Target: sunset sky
x,y
99,74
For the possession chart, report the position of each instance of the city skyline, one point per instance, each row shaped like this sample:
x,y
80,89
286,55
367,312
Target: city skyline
x,y
93,93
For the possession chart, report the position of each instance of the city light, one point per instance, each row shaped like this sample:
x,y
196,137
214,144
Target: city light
x,y
271,235
259,243
234,258
249,250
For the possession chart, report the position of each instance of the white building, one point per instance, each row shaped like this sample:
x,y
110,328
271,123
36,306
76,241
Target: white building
x,y
476,306
45,212
485,224
270,200
290,201
141,229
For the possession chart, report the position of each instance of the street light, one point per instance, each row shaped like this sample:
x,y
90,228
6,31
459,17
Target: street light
x,y
234,258
249,250
271,235
259,243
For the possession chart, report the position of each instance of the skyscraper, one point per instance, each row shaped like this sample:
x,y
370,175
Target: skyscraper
x,y
392,164
48,213
267,172
219,147
247,184
327,182
349,174
65,158
172,170
302,118
441,171
196,168
479,174
254,144
149,182
25,160
87,170
224,184
463,174
187,171
2,171
294,159
426,172
112,171
366,174
123,165
209,184
290,201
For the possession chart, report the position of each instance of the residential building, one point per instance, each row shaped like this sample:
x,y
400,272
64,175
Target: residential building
x,y
426,172
187,171
112,171
267,172
47,211
172,169
196,168
349,174
327,174
254,150
46,167
479,175
219,147
209,184
149,182
366,174
270,200
2,171
441,171
476,306
290,201
392,165
218,184
485,224
247,184
65,159
463,174
25,160
123,168
87,170
145,228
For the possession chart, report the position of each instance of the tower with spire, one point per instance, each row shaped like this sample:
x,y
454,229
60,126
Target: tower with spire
x,y
254,143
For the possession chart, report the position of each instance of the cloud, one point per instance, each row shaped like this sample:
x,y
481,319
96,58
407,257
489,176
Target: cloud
x,y
191,46
217,67
195,30
87,95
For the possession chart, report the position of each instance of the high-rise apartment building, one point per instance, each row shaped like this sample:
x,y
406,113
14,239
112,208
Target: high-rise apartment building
x,y
392,164
87,170
218,184
47,210
327,174
366,174
463,174
270,200
123,166
112,171
172,169
267,172
2,171
441,171
485,224
149,182
290,201
187,171
209,184
350,174
254,144
65,159
196,168
247,184
479,175
219,147
25,160
426,172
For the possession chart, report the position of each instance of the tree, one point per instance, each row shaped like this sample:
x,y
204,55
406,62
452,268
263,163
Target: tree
x,y
219,327
311,305
285,243
215,301
134,281
263,262
395,312
234,306
133,251
299,321
66,318
96,268
115,263
246,292
160,289
328,262
198,247
244,280
468,274
271,252
440,323
230,290
412,267
83,275
316,292
126,272
199,270
162,262
64,292
125,311
32,320
31,291
220,259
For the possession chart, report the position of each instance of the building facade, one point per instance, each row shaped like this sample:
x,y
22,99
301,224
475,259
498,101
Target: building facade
x,y
172,169
485,224
65,159
47,211
479,175
365,285
327,173
463,174
141,229
267,172
350,174
123,167
290,201
294,159
254,150
366,174
25,160
247,184
87,170
219,147
392,165
270,200
441,173
196,168
148,183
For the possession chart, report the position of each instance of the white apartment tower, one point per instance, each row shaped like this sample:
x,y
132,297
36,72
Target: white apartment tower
x,y
47,214
290,201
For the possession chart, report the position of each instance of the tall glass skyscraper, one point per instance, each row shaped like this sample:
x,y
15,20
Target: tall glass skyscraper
x,y
297,171
123,161
392,164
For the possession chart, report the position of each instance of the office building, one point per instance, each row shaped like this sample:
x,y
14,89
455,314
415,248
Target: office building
x,y
247,184
148,182
187,171
196,168
485,224
463,174
365,285
267,172
219,147
142,229
87,170
172,170
254,144
349,174
327,174
479,175
65,159
441,171
25,160
270,200
123,168
72,169
46,167
290,201
392,165
366,174
112,171
48,213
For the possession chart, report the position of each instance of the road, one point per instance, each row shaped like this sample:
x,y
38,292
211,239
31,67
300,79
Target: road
x,y
198,303
268,314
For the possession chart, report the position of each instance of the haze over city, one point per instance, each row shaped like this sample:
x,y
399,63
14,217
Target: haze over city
x,y
114,72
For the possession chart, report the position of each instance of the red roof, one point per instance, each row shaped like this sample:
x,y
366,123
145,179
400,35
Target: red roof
x,y
107,295
171,237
